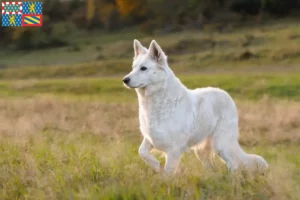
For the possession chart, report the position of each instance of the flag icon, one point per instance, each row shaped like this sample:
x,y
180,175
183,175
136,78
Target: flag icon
x,y
22,13
11,20
12,8
33,7
32,20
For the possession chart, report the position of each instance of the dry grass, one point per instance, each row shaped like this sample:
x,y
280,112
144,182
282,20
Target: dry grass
x,y
70,149
272,121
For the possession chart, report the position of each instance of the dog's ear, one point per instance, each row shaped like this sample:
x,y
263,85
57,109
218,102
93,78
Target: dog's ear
x,y
138,48
156,52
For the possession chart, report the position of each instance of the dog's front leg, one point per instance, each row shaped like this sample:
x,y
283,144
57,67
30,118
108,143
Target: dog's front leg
x,y
144,152
172,161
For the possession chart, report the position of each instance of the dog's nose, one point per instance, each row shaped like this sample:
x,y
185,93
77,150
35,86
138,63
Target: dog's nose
x,y
126,80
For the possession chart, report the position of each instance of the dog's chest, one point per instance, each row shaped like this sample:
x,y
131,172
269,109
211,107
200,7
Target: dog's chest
x,y
154,117
156,129
160,122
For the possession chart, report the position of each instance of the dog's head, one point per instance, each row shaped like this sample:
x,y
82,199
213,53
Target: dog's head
x,y
149,66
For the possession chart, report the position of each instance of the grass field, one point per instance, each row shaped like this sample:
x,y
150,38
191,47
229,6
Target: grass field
x,y
273,46
70,130
78,139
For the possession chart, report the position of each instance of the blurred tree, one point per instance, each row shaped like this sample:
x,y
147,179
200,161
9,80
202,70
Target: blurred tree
x,y
56,10
91,5
150,15
108,14
134,10
131,7
102,14
254,7
247,7
280,7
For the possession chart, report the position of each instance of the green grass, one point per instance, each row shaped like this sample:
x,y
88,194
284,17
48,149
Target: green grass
x,y
272,47
252,86
66,147
62,166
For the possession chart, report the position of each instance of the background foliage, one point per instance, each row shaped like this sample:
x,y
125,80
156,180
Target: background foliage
x,y
63,17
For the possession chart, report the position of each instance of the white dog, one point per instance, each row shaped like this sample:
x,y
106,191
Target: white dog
x,y
174,119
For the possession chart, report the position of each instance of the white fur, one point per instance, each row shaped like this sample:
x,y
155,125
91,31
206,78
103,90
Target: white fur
x,y
174,119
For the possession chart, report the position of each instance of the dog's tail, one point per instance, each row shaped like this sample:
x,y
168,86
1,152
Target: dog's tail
x,y
249,161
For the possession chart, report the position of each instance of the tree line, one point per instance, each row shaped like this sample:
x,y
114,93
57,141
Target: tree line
x,y
62,17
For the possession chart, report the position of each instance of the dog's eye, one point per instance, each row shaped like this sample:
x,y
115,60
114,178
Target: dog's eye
x,y
143,68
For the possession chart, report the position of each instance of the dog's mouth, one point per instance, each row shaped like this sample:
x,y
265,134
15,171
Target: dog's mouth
x,y
134,87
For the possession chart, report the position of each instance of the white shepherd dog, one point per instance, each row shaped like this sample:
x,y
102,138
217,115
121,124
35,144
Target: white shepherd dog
x,y
174,119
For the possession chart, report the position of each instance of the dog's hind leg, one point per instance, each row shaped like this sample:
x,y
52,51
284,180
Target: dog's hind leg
x,y
225,143
205,154
144,152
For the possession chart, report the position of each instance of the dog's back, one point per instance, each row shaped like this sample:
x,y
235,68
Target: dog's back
x,y
216,99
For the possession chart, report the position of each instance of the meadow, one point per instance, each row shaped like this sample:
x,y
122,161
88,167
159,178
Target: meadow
x,y
69,129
